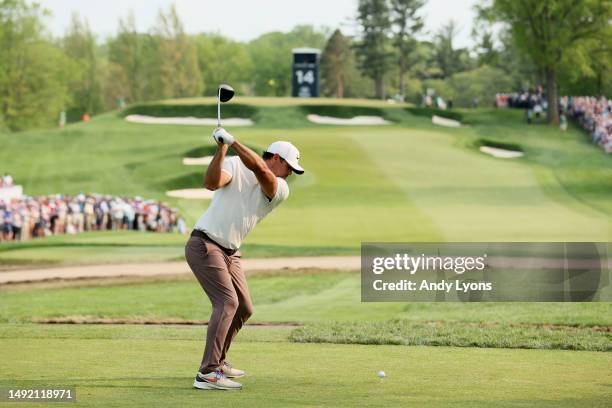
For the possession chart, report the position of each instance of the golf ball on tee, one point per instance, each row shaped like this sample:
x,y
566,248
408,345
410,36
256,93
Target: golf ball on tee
x,y
381,374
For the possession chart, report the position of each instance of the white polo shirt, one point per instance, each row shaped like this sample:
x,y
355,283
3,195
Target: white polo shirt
x,y
239,206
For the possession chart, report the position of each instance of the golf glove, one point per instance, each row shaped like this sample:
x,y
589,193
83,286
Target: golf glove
x,y
222,136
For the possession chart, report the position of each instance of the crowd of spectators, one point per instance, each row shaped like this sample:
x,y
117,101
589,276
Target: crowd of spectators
x,y
533,101
594,115
31,217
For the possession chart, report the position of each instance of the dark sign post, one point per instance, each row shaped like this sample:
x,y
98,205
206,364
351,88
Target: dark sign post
x,y
306,72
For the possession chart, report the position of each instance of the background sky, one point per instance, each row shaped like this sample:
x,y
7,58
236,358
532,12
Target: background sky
x,y
244,20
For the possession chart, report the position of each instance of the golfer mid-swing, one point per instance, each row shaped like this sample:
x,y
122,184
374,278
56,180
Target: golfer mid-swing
x,y
247,188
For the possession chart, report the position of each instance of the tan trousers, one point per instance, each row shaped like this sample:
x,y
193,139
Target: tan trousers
x,y
223,280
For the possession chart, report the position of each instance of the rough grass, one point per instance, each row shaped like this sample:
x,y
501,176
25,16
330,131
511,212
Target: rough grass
x,y
457,334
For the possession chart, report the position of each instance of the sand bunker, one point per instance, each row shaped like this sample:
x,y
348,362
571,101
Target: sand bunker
x,y
355,121
191,193
438,120
197,161
188,120
500,153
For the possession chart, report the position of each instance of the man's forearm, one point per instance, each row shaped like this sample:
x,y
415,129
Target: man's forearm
x,y
212,178
250,159
258,166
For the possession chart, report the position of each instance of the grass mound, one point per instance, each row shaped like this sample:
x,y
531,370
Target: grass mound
x,y
198,111
429,112
342,111
457,334
499,145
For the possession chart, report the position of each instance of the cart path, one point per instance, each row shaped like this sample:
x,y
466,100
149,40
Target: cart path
x,y
174,268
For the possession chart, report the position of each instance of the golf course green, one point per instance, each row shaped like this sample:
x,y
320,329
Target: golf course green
x,y
318,344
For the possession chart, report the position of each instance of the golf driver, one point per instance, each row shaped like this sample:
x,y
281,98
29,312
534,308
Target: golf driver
x,y
224,94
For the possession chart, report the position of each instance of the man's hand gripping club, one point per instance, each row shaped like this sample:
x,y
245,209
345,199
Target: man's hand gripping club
x,y
222,136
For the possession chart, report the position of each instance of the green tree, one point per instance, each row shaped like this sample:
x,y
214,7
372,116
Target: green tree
x,y
132,61
116,85
550,31
372,50
84,83
222,60
407,24
586,70
517,64
602,69
178,74
32,69
272,72
424,65
336,61
272,54
449,59
487,53
481,83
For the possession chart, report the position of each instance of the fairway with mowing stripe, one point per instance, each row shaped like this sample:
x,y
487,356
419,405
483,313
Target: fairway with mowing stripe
x,y
411,181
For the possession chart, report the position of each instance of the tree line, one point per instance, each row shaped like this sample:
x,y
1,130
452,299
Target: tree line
x,y
552,42
41,76
563,45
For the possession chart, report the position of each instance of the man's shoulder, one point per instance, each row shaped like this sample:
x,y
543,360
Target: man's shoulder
x,y
282,190
282,182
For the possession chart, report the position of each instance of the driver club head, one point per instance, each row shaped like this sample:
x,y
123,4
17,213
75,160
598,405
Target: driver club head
x,y
226,92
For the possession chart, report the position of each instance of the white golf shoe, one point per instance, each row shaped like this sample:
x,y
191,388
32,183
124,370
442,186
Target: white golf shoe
x,y
215,380
231,372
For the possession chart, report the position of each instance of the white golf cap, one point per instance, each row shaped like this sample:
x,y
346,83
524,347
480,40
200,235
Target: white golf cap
x,y
289,153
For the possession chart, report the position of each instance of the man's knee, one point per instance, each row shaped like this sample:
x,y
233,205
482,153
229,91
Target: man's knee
x,y
230,306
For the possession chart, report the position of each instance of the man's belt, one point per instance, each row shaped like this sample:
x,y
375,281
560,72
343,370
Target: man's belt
x,y
202,234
